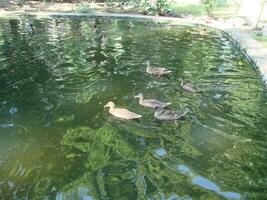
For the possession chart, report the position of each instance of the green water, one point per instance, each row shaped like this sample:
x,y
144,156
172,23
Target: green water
x,y
58,142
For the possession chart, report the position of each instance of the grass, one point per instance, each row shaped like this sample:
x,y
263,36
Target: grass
x,y
222,11
188,9
261,39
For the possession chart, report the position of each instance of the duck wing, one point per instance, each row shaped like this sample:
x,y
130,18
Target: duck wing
x,y
164,115
166,71
124,114
153,103
169,115
190,87
181,114
159,70
163,70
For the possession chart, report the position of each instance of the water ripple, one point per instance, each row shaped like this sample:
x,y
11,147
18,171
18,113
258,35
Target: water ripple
x,y
58,142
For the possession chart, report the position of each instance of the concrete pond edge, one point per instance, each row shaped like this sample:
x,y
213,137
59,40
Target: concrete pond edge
x,y
255,53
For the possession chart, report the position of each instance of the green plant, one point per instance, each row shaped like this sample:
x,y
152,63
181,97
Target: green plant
x,y
109,3
157,6
161,5
20,2
83,8
209,6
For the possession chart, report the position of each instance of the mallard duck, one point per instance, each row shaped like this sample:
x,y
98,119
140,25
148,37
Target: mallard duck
x,y
121,112
151,103
162,114
158,71
189,87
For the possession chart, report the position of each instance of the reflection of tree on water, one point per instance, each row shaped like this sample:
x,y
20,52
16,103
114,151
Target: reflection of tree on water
x,y
115,169
25,84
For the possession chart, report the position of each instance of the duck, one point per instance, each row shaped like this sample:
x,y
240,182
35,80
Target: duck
x,y
121,112
151,103
158,71
189,87
163,114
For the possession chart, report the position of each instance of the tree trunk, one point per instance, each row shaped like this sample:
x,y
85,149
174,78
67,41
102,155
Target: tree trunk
x,y
260,14
250,10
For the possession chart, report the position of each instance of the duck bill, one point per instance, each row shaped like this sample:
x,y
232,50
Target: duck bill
x,y
105,106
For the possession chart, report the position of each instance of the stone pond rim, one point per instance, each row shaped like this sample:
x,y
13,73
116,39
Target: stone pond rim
x,y
252,49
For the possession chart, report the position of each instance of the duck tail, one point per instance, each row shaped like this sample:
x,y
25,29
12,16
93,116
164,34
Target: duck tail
x,y
168,71
168,103
199,90
185,111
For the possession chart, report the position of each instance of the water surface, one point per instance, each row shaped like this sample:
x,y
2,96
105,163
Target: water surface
x,y
58,142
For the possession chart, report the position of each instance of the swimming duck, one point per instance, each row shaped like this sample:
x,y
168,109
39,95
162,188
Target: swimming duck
x,y
158,71
162,114
121,112
151,103
189,87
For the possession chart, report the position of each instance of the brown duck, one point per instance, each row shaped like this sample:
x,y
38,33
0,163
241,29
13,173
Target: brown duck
x,y
189,87
121,112
158,71
151,103
162,114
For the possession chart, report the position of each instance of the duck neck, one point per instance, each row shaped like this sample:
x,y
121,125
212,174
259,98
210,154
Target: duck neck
x,y
141,99
148,68
111,108
182,82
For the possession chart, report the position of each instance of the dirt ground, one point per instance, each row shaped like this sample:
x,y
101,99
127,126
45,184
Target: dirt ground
x,y
67,7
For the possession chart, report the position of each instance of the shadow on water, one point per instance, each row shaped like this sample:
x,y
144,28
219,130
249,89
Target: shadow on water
x,y
58,142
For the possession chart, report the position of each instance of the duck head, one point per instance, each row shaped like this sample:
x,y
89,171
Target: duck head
x,y
110,104
182,81
147,63
140,96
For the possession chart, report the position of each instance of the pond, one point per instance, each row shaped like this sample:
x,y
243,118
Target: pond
x,y
57,141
